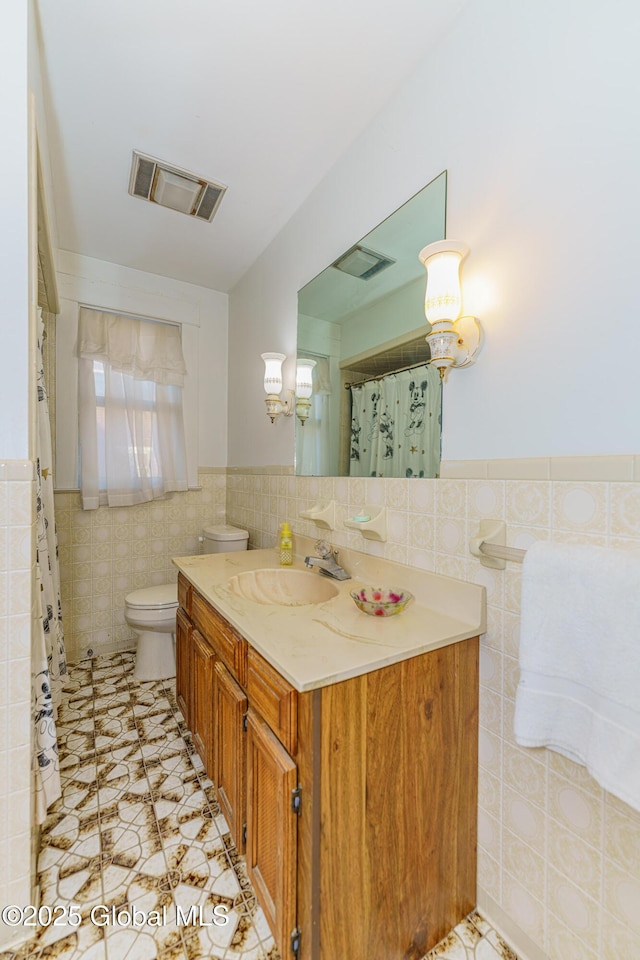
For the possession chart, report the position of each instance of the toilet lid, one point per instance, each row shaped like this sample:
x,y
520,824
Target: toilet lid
x,y
224,531
166,595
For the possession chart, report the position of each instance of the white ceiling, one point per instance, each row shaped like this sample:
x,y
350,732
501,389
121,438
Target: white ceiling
x,y
261,95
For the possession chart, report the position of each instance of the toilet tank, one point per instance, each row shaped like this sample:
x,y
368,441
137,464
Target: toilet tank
x,y
223,538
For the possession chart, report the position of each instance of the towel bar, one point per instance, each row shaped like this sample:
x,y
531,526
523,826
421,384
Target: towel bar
x,y
489,544
499,552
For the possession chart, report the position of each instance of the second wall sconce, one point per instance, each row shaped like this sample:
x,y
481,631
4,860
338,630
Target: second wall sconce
x,y
455,341
300,397
273,387
304,388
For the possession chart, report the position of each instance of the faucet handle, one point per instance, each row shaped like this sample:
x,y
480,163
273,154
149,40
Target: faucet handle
x,y
324,549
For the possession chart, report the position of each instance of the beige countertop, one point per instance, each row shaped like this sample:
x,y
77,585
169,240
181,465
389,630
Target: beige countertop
x,y
313,645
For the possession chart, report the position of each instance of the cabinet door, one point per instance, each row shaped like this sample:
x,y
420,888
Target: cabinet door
x,y
229,760
202,727
184,693
271,828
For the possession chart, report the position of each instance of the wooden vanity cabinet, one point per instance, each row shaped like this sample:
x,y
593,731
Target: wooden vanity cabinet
x,y
201,711
271,852
359,798
184,695
229,763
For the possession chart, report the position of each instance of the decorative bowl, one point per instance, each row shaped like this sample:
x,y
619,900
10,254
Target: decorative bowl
x,y
381,602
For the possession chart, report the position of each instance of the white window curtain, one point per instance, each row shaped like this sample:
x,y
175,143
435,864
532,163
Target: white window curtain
x,y
131,425
395,425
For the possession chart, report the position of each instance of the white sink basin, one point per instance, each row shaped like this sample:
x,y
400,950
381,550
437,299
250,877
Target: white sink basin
x,y
287,588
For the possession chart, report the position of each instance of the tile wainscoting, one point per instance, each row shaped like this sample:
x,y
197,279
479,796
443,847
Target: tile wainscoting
x,y
108,552
17,576
559,858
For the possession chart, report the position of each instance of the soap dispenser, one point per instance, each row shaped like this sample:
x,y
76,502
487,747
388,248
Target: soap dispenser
x,y
286,546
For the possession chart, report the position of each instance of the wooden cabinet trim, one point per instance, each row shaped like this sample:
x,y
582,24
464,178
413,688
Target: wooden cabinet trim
x,y
229,765
202,729
228,645
184,691
185,593
278,847
274,699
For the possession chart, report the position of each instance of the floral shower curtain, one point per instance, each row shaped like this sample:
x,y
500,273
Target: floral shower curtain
x,y
49,664
395,425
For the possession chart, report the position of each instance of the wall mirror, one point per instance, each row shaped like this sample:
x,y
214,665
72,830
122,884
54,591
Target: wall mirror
x,y
376,404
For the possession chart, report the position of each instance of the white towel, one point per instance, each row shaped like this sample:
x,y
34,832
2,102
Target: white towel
x,y
579,689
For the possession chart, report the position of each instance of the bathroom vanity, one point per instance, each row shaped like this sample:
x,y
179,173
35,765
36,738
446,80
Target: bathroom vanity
x,y
343,750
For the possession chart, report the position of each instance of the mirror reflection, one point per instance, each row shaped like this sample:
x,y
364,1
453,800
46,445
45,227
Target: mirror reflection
x,y
375,403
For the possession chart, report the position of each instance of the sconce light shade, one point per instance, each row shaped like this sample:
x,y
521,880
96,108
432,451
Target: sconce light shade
x,y
273,373
304,388
273,386
443,298
454,341
304,378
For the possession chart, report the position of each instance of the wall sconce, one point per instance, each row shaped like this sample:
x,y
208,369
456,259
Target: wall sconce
x,y
273,386
455,341
304,388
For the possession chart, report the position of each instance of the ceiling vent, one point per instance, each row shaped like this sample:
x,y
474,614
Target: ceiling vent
x,y
172,187
362,263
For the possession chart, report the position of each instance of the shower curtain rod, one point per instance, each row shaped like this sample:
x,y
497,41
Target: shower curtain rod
x,y
390,373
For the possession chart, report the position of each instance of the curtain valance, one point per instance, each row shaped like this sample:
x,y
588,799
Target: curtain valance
x,y
140,348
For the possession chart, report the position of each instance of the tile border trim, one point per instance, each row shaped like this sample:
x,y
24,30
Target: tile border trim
x,y
613,468
12,471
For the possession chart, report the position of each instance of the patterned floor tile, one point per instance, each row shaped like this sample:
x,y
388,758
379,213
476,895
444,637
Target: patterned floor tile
x,y
451,948
138,827
499,946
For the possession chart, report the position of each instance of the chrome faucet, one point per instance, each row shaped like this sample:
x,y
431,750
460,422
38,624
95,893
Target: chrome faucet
x,y
327,562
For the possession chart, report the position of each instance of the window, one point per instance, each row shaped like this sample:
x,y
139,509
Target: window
x,y
132,441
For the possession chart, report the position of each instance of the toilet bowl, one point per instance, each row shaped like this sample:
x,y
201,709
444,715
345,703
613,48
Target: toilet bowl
x,y
151,613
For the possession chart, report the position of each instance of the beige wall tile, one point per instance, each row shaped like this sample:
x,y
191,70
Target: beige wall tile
x,y
490,795
523,469
486,499
576,809
536,799
625,510
451,499
422,496
490,710
522,861
573,907
490,668
563,942
526,911
451,536
580,507
622,836
525,769
113,551
622,896
463,469
575,859
528,503
523,817
490,752
592,468
617,940
489,874
489,833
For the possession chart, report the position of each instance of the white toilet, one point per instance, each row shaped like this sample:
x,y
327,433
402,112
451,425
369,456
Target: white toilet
x,y
151,612
223,538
